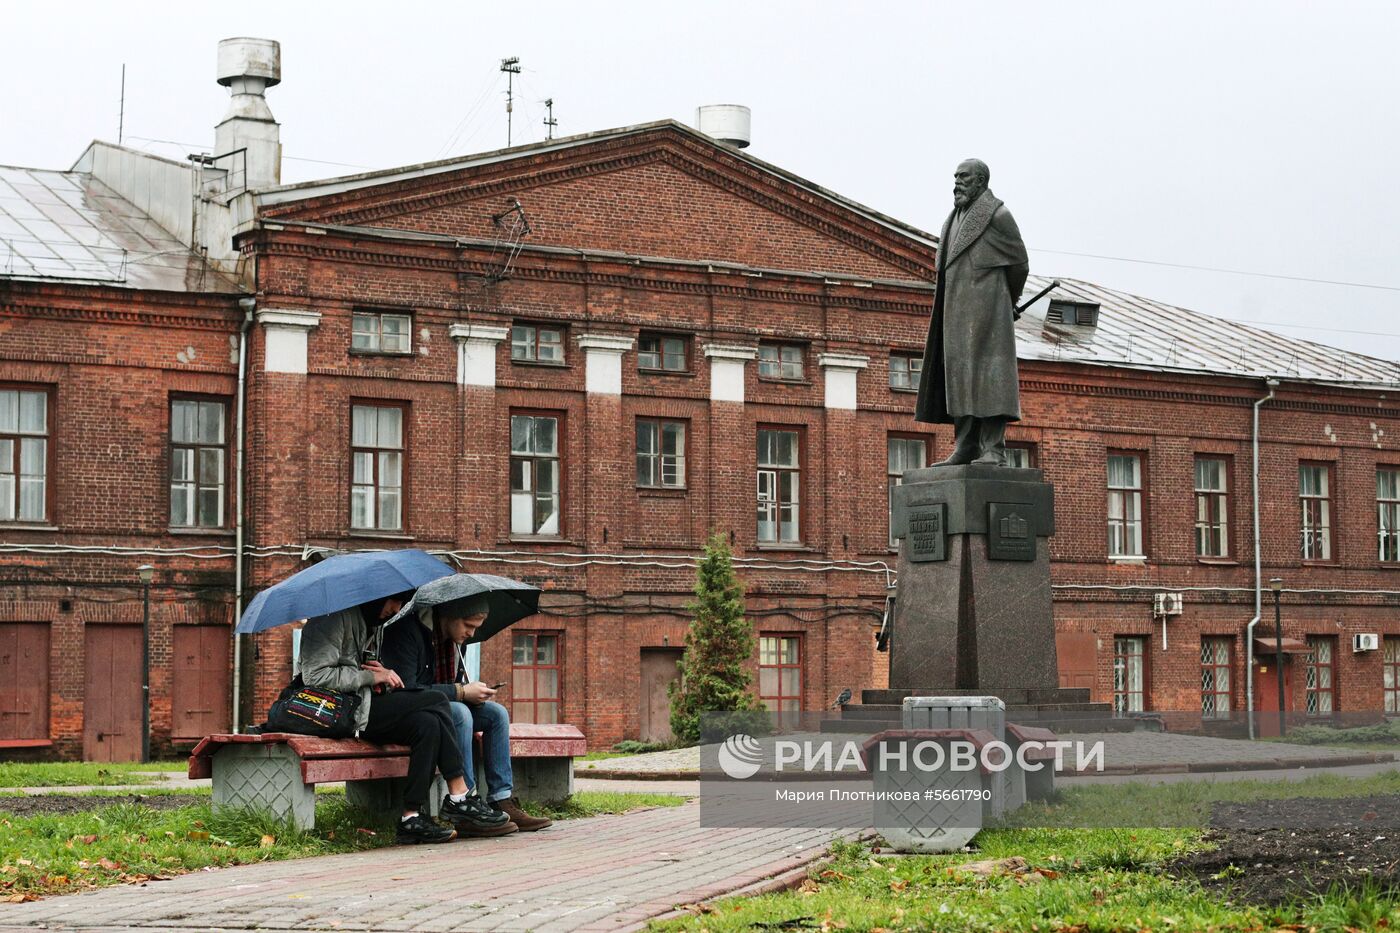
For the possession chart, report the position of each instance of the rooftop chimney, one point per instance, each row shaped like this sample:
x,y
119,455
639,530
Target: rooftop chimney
x,y
248,67
728,123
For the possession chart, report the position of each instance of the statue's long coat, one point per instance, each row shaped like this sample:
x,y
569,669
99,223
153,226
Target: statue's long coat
x,y
970,355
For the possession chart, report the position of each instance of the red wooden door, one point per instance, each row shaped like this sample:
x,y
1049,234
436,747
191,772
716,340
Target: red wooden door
x,y
24,683
112,700
200,689
1266,693
1076,653
658,672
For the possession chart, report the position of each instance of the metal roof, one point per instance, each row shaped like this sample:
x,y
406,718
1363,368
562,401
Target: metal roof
x,y
1140,333
67,226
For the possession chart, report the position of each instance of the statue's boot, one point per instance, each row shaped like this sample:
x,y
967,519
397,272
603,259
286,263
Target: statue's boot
x,y
991,441
966,444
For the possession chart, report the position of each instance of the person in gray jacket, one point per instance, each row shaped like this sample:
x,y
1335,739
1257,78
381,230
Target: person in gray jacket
x,y
333,658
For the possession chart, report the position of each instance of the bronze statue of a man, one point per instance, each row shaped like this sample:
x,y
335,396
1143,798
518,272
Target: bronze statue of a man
x,y
969,373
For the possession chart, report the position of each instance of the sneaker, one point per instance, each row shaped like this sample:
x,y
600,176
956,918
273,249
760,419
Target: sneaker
x,y
472,817
420,829
511,808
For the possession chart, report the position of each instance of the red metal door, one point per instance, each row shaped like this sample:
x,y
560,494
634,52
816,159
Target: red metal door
x,y
112,700
658,672
200,689
1266,693
24,683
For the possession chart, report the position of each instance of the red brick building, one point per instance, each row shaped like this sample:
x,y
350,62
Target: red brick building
x,y
568,362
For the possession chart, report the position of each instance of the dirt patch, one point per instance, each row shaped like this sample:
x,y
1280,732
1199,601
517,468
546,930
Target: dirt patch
x,y
1274,851
58,804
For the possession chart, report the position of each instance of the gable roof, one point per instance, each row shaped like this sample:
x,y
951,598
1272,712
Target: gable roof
x,y
285,194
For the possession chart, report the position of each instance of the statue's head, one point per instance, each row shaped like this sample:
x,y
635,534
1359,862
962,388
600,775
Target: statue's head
x,y
969,181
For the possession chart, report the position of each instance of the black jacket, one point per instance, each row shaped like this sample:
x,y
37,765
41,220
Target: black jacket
x,y
408,651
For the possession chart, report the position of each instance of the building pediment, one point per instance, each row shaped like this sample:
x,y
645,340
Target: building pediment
x,y
661,190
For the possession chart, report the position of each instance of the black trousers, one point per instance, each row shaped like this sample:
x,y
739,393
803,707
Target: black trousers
x,y
421,720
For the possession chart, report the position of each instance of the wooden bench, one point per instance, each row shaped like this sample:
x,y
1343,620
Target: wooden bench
x,y
278,772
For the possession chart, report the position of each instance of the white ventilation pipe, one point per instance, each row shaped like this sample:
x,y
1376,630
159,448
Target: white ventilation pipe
x,y
1258,575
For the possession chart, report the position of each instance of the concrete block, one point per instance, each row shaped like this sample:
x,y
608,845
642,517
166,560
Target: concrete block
x,y
544,778
263,777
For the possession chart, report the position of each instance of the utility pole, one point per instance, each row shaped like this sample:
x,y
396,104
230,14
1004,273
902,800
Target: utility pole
x,y
549,122
511,66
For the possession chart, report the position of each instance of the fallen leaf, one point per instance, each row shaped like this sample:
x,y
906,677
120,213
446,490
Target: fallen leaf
x,y
108,864
1049,873
367,832
21,898
267,842
89,840
23,861
196,835
899,885
808,886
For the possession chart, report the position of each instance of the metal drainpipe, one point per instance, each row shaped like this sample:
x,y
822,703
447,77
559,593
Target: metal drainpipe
x,y
1258,576
247,304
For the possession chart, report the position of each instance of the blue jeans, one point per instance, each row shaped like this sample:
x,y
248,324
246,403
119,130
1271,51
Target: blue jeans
x,y
493,722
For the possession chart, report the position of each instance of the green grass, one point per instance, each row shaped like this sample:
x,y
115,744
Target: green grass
x,y
598,802
56,854
1184,803
1381,736
1100,880
629,747
73,773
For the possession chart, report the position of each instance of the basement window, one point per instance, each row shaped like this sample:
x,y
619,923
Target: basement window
x,y
374,332
1080,313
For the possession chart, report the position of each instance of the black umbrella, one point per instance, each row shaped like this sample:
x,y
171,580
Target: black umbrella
x,y
505,601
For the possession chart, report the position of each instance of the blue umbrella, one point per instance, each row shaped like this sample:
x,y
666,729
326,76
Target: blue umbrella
x,y
338,583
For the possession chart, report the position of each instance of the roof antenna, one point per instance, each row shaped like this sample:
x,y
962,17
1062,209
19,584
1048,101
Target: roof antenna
x,y
121,111
511,67
549,122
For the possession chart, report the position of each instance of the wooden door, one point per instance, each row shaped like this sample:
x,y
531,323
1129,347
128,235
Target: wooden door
x,y
659,670
1076,653
199,702
112,700
1266,693
24,683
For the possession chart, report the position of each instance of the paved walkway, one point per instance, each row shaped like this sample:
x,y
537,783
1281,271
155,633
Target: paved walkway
x,y
1124,753
603,873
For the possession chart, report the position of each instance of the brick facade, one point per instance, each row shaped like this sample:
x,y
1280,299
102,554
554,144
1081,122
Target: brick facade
x,y
618,575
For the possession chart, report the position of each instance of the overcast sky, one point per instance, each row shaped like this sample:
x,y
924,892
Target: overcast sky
x,y
1257,137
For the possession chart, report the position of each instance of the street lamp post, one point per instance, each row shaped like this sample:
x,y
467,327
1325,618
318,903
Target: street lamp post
x,y
147,573
1276,584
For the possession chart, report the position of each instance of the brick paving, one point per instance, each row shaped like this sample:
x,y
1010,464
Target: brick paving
x,y
603,873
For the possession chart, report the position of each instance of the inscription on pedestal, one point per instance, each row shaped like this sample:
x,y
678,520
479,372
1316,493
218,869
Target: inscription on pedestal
x,y
928,532
1010,531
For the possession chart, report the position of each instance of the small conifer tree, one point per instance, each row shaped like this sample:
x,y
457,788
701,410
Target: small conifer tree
x,y
720,642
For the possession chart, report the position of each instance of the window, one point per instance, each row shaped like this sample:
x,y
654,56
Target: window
x,y
663,353
660,453
24,683
534,475
1021,455
1321,682
1215,678
1125,524
1069,312
198,442
533,343
24,455
779,486
1390,673
1314,483
905,453
780,673
1129,675
1212,507
904,370
1388,514
534,677
374,332
780,361
377,454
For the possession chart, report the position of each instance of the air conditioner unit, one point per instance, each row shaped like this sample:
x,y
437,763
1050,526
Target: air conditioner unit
x,y
1365,642
1166,604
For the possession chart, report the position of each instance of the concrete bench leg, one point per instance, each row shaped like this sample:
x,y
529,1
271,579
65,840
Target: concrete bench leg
x,y
264,777
384,796
543,778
